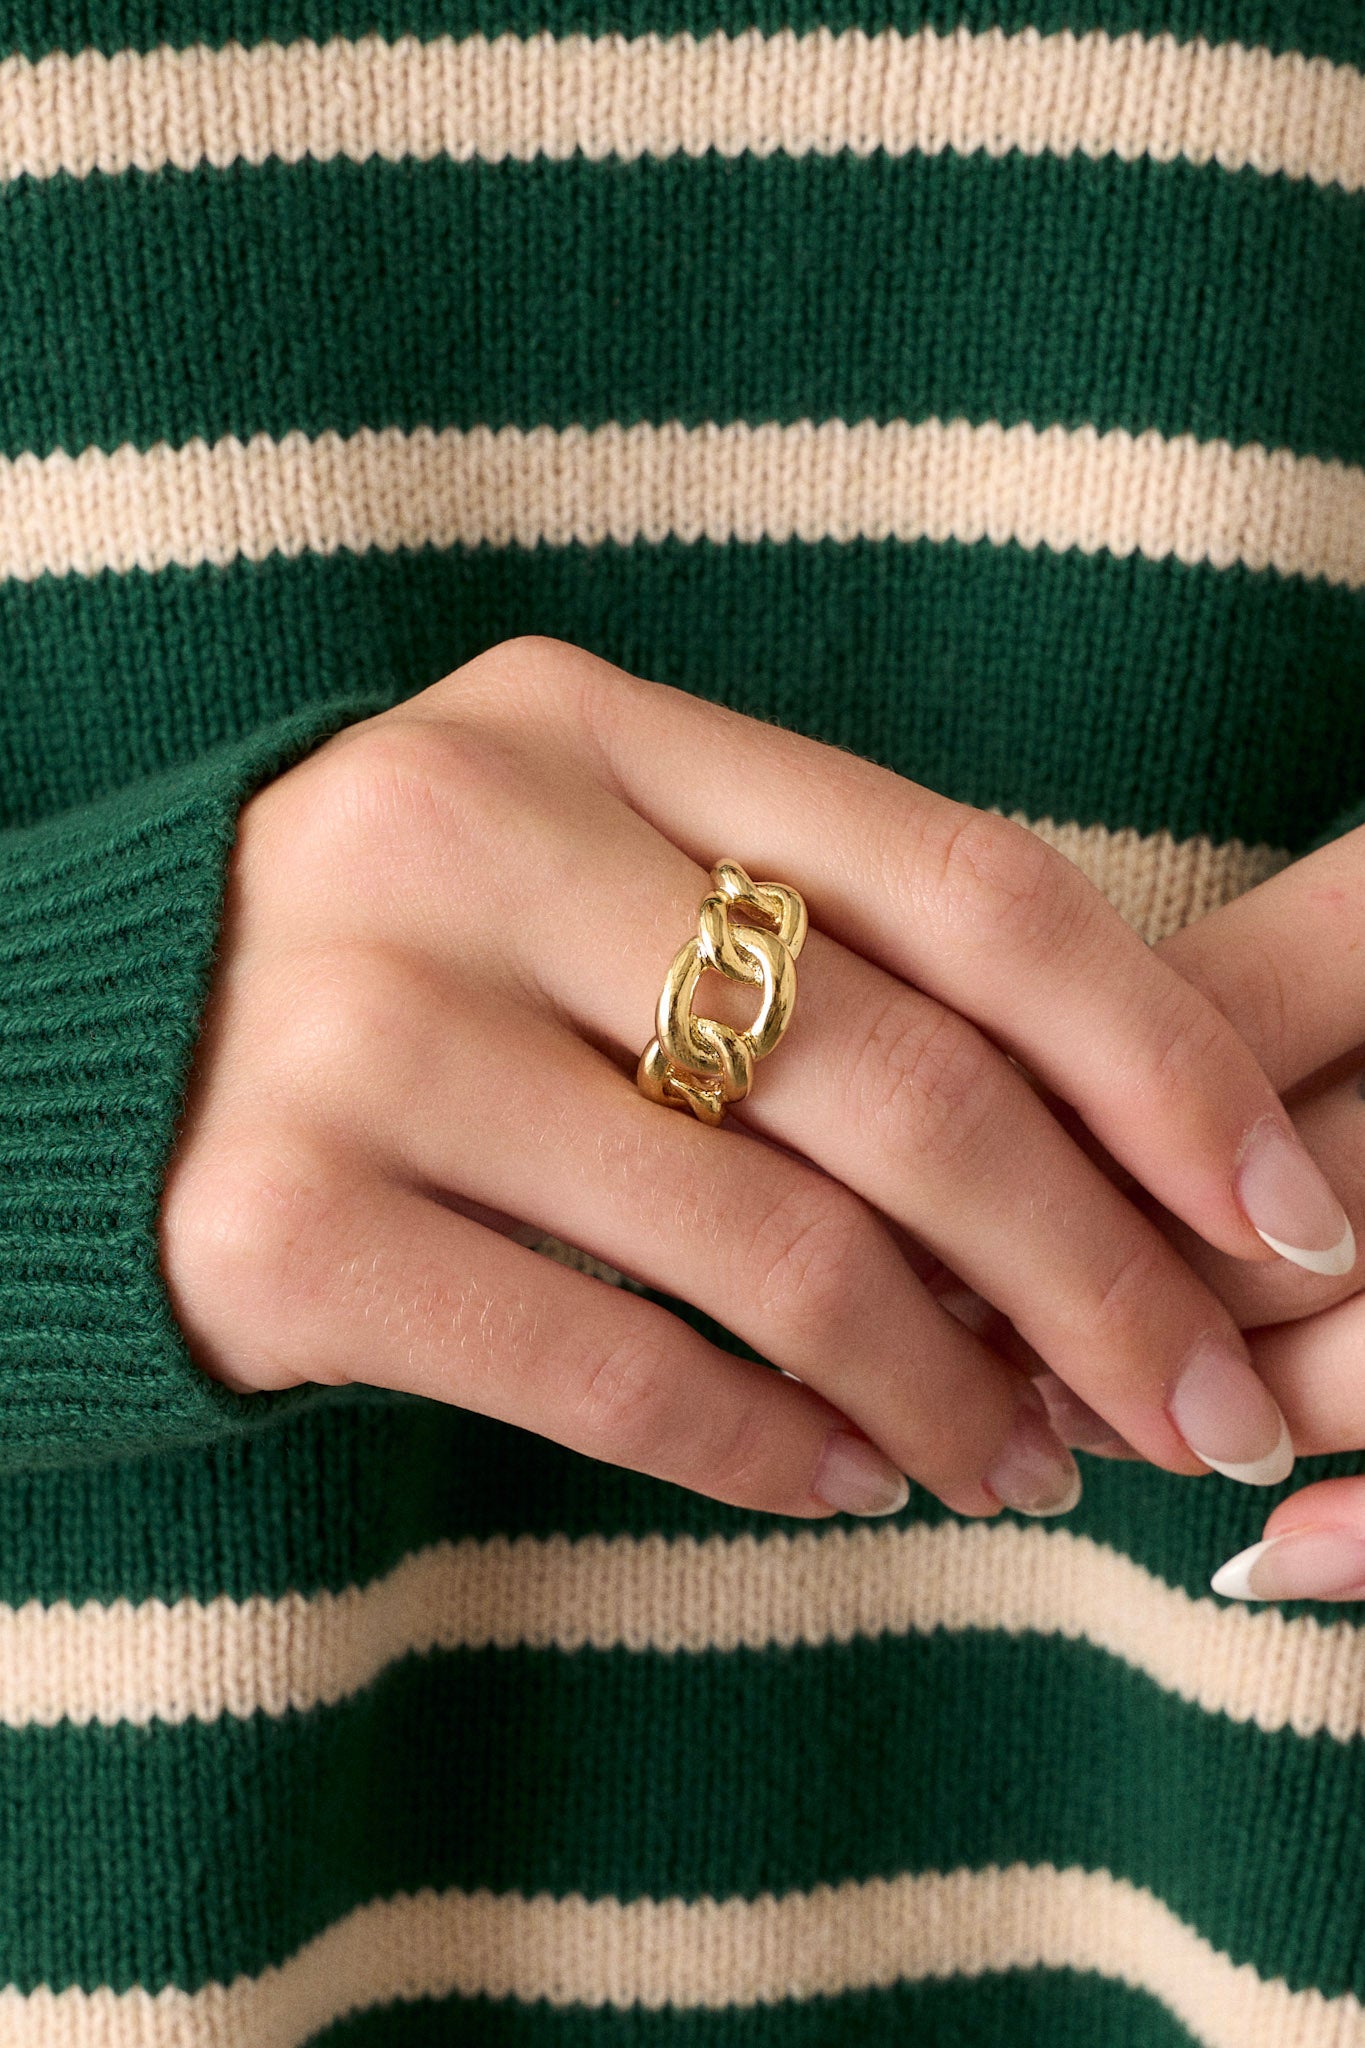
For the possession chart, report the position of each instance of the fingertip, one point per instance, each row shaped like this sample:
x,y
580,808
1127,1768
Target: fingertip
x,y
1288,1201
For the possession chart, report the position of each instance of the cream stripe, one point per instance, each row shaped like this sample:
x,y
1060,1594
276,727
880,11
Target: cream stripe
x,y
191,1661
1201,502
613,97
1157,883
710,1954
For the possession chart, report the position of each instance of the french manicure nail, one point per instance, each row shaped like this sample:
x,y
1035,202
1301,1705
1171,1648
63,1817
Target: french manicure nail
x,y
1035,1473
1289,1205
1309,1564
1228,1417
854,1477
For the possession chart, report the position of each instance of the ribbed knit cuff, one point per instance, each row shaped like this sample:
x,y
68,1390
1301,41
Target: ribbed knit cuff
x,y
109,920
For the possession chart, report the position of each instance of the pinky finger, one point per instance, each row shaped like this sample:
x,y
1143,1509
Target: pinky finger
x,y
464,1314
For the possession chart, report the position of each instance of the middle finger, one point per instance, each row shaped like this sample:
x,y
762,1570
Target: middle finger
x,y
915,1109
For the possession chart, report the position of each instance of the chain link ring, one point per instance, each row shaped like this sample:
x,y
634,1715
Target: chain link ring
x,y
698,1063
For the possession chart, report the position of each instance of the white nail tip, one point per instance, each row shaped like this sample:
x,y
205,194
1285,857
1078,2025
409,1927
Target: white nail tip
x,y
1267,1471
1340,1259
1233,1579
1062,1506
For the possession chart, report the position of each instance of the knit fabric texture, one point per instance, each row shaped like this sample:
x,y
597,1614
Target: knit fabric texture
x,y
978,386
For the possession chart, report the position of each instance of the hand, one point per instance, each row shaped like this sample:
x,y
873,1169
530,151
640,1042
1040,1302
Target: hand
x,y
1285,963
1287,967
444,937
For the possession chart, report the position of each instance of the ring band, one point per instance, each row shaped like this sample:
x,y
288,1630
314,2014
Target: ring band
x,y
698,1063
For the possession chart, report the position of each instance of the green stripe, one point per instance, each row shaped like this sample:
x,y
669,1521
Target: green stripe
x,y
1331,28
1229,701
637,1774
1017,2009
262,1515
338,295
320,1500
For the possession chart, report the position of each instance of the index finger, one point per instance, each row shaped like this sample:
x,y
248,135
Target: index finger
x,y
972,909
1285,963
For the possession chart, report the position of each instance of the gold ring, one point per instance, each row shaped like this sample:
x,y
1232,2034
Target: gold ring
x,y
698,1063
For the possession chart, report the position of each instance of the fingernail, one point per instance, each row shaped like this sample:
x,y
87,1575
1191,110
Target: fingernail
x,y
1035,1473
1074,1420
1289,1204
1311,1564
1229,1419
854,1477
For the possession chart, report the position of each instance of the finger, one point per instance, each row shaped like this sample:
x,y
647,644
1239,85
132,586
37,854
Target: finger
x,y
540,1126
408,1294
976,911
1313,1367
894,1087
1074,1421
1322,1557
1285,962
914,1109
1331,1124
1313,1545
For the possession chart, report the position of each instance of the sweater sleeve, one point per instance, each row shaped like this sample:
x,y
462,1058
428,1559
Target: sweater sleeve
x,y
109,918
1344,821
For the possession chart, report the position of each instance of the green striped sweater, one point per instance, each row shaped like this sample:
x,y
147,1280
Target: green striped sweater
x,y
981,387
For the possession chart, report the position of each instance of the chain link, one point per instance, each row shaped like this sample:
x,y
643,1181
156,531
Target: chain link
x,y
699,1063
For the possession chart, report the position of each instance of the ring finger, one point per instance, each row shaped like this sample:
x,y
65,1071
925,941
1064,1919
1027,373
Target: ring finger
x,y
542,1127
911,1106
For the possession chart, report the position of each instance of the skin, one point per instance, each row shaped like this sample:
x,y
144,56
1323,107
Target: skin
x,y
444,937
1285,964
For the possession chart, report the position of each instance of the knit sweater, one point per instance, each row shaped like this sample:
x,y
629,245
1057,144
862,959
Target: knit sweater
x,y
978,386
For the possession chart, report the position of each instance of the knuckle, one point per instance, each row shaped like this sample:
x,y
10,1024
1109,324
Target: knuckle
x,y
923,1080
395,784
539,656
1189,1036
740,1457
348,1016
998,880
514,683
809,1256
211,1225
635,1406
1252,991
241,1230
625,1404
1123,1303
554,685
542,655
368,779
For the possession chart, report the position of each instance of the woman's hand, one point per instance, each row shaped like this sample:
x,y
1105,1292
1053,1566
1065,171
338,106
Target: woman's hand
x,y
444,938
1285,963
